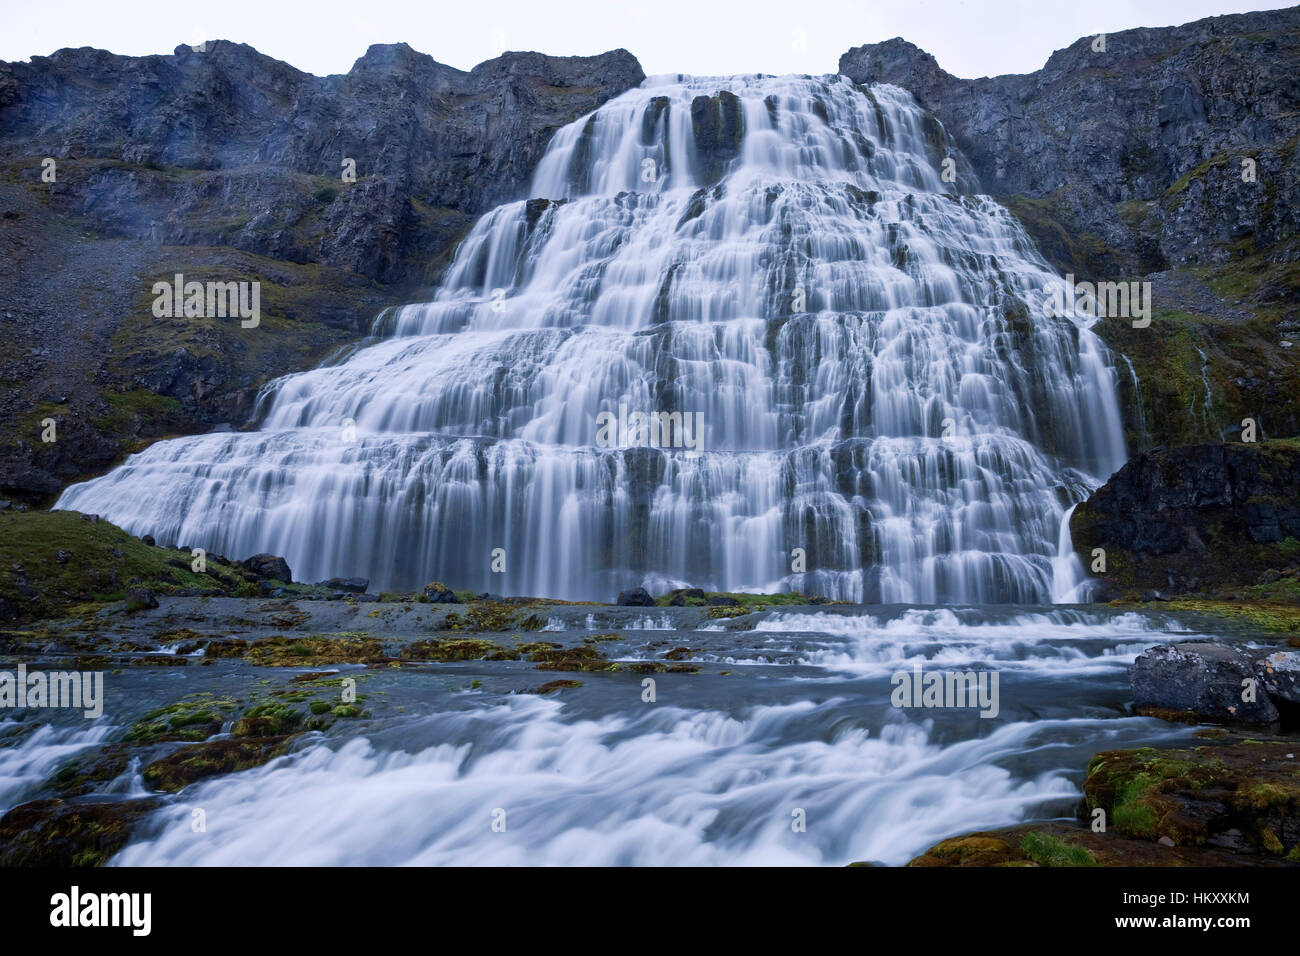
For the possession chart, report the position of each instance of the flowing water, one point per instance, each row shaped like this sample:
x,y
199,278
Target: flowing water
x,y
881,413
794,714
861,348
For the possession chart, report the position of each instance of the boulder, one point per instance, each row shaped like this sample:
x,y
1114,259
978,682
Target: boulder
x,y
1279,673
436,592
636,597
355,585
1199,681
139,599
268,566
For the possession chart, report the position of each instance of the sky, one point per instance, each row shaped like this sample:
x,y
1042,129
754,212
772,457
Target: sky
x,y
969,38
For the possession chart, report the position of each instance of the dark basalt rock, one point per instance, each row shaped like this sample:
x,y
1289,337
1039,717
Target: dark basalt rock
x,y
1199,681
57,833
139,599
437,593
354,585
269,566
636,597
1196,518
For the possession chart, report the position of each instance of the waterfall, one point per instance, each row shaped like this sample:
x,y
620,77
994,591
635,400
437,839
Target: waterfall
x,y
884,411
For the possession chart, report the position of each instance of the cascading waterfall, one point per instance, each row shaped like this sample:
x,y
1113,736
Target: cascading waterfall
x,y
778,259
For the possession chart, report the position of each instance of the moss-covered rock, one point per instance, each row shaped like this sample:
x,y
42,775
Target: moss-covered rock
x,y
56,833
1242,796
182,768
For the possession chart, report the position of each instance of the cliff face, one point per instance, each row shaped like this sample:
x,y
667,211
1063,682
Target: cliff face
x,y
1218,519
1127,163
226,165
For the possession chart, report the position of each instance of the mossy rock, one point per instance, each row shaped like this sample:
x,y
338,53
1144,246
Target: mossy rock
x,y
298,651
54,833
189,764
196,717
1197,795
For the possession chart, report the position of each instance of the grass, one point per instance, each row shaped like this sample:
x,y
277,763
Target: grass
x,y
1047,850
101,561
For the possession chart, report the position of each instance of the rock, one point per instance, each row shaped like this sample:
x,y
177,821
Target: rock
x,y
55,833
5,504
197,761
1239,795
355,585
62,556
1163,512
1279,673
148,539
636,597
682,597
139,599
722,600
1198,681
438,593
268,566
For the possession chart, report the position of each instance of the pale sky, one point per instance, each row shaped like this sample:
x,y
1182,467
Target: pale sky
x,y
970,38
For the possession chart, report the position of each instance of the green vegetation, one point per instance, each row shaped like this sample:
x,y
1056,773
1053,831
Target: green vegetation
x,y
57,560
1048,850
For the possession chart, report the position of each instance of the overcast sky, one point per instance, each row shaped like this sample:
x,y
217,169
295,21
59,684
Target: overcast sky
x,y
969,37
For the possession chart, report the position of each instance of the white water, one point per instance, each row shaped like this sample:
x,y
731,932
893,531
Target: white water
x,y
877,383
709,775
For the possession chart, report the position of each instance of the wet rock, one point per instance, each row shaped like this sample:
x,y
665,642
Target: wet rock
x,y
636,597
438,593
354,585
148,539
1240,794
1162,515
1279,673
195,762
1199,681
56,833
270,566
686,597
139,599
551,687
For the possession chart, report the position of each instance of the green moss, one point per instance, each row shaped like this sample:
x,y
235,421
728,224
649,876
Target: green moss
x,y
102,561
1048,850
128,409
195,717
1196,172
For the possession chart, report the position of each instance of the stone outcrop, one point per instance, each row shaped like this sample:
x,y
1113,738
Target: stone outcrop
x,y
1197,519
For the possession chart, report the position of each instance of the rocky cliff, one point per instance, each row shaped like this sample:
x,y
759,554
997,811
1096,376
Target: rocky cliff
x,y
1167,155
1222,520
224,164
